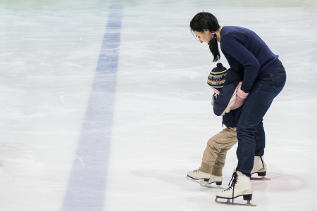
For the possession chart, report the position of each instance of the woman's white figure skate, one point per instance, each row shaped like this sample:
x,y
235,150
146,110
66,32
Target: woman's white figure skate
x,y
239,185
204,179
259,168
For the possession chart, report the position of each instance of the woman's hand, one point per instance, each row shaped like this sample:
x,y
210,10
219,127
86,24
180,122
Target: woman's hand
x,y
240,97
241,93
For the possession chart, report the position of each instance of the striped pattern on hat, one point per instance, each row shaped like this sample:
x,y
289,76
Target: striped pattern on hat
x,y
216,78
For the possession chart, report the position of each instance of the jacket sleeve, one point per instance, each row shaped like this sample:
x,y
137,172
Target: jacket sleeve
x,y
232,100
223,100
243,56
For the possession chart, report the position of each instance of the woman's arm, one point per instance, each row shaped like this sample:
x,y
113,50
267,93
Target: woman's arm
x,y
243,56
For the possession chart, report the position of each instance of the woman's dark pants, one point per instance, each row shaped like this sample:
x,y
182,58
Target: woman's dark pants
x,y
250,131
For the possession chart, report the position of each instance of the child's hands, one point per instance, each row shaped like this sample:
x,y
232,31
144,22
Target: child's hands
x,y
216,91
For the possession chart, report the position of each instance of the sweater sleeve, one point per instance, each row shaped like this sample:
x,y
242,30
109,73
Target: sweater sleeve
x,y
242,55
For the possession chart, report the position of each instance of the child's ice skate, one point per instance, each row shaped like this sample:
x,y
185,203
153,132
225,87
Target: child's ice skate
x,y
213,180
259,167
198,176
239,185
204,179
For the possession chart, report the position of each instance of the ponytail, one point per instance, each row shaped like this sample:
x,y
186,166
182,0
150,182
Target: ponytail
x,y
214,49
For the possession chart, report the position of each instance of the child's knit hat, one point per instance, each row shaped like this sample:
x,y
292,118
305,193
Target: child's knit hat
x,y
217,76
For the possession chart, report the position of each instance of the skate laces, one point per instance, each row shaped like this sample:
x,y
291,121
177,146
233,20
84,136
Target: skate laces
x,y
232,183
262,162
233,180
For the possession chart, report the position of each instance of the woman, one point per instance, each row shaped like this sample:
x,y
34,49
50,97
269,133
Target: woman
x,y
263,78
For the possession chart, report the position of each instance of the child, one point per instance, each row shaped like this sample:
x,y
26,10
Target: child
x,y
225,84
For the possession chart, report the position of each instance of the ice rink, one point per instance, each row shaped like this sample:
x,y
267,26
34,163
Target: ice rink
x,y
105,105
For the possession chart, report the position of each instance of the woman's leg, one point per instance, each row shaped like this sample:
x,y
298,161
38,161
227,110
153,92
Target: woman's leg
x,y
260,140
250,122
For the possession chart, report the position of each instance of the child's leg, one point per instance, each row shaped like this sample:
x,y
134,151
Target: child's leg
x,y
220,163
216,150
231,139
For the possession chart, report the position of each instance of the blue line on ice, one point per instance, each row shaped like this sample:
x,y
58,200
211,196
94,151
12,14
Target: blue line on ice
x,y
87,181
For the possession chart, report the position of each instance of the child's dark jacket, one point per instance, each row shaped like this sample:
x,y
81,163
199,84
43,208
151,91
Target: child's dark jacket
x,y
221,101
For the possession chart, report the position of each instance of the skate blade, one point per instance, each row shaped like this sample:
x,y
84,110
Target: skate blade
x,y
260,178
213,185
193,180
234,203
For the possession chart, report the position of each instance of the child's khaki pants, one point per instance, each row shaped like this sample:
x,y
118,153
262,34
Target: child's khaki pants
x,y
216,150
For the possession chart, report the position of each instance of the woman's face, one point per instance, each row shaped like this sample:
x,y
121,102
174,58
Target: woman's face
x,y
205,36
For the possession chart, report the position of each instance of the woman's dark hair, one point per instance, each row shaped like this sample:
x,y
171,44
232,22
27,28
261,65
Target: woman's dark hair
x,y
207,21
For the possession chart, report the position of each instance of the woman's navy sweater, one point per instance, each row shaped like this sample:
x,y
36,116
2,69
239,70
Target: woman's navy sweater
x,y
247,54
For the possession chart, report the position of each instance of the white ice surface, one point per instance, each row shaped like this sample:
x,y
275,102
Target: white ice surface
x,y
162,115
